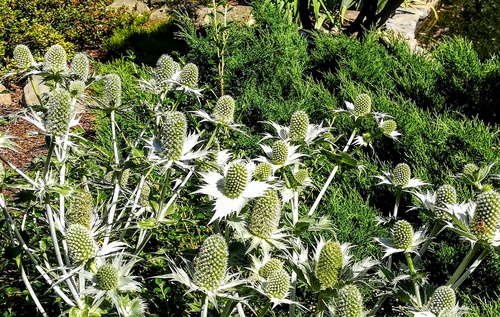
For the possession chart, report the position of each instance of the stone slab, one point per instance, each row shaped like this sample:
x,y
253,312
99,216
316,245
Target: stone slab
x,y
29,97
238,13
133,6
159,14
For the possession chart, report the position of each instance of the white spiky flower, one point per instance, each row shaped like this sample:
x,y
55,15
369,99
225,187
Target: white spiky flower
x,y
280,154
313,132
404,239
223,114
361,107
400,177
232,189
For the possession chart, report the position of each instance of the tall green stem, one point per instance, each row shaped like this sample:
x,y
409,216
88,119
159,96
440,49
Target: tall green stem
x,y
471,268
465,263
413,275
435,230
396,204
212,137
204,308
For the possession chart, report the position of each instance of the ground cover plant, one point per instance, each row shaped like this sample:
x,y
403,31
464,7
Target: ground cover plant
x,y
275,217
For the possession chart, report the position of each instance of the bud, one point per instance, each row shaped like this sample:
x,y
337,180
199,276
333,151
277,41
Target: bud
x,y
470,169
278,284
350,302
76,88
486,216
387,127
329,264
443,298
189,75
211,263
265,215
279,153
59,113
445,194
23,56
166,67
298,125
81,209
144,197
224,110
263,171
112,91
362,105
55,59
236,180
402,234
270,267
80,66
402,174
81,245
300,176
173,134
107,278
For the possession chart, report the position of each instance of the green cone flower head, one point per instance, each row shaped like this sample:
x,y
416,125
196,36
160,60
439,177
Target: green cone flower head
x,y
81,209
402,174
329,264
279,153
270,267
263,171
362,105
211,264
265,215
166,67
402,234
23,56
470,169
445,194
124,178
81,245
107,277
486,216
76,88
55,59
443,298
144,198
349,303
387,127
236,180
298,125
59,113
278,284
80,66
173,134
224,110
300,176
112,91
189,75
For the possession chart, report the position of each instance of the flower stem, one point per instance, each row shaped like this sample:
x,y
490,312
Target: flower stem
x,y
396,204
204,308
212,137
413,275
320,306
471,269
435,230
35,90
465,262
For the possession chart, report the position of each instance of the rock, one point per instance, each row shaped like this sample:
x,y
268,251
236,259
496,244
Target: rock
x,y
159,14
5,98
29,96
133,6
238,13
405,24
351,15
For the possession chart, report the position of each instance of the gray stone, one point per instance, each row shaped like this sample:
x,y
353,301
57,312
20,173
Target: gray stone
x,y
159,14
404,24
351,15
238,13
29,97
133,6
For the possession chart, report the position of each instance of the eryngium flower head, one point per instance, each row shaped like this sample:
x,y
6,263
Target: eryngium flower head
x,y
189,75
300,176
349,303
445,195
402,174
443,298
81,208
173,134
486,216
144,198
279,152
124,176
470,169
112,96
329,264
59,112
263,171
236,180
270,267
81,245
299,123
278,284
388,126
107,277
211,263
362,105
80,66
224,110
166,67
402,234
55,59
23,56
265,215
76,88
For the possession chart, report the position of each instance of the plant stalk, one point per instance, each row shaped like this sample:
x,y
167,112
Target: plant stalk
x,y
465,262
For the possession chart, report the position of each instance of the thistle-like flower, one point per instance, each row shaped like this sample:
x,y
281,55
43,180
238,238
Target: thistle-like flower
x,y
210,267
144,197
486,216
266,214
76,88
55,59
404,239
446,195
80,66
361,107
189,75
349,302
329,264
474,175
23,57
81,244
112,97
165,70
443,298
263,171
81,209
59,113
299,123
270,266
388,128
278,285
400,177
232,189
224,110
280,154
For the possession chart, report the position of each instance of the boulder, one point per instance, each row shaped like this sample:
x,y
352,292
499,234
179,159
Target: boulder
x,y
159,14
29,97
133,6
5,98
238,13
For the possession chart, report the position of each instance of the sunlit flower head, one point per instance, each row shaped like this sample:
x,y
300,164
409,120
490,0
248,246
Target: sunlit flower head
x,y
360,108
280,154
400,177
312,134
404,239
